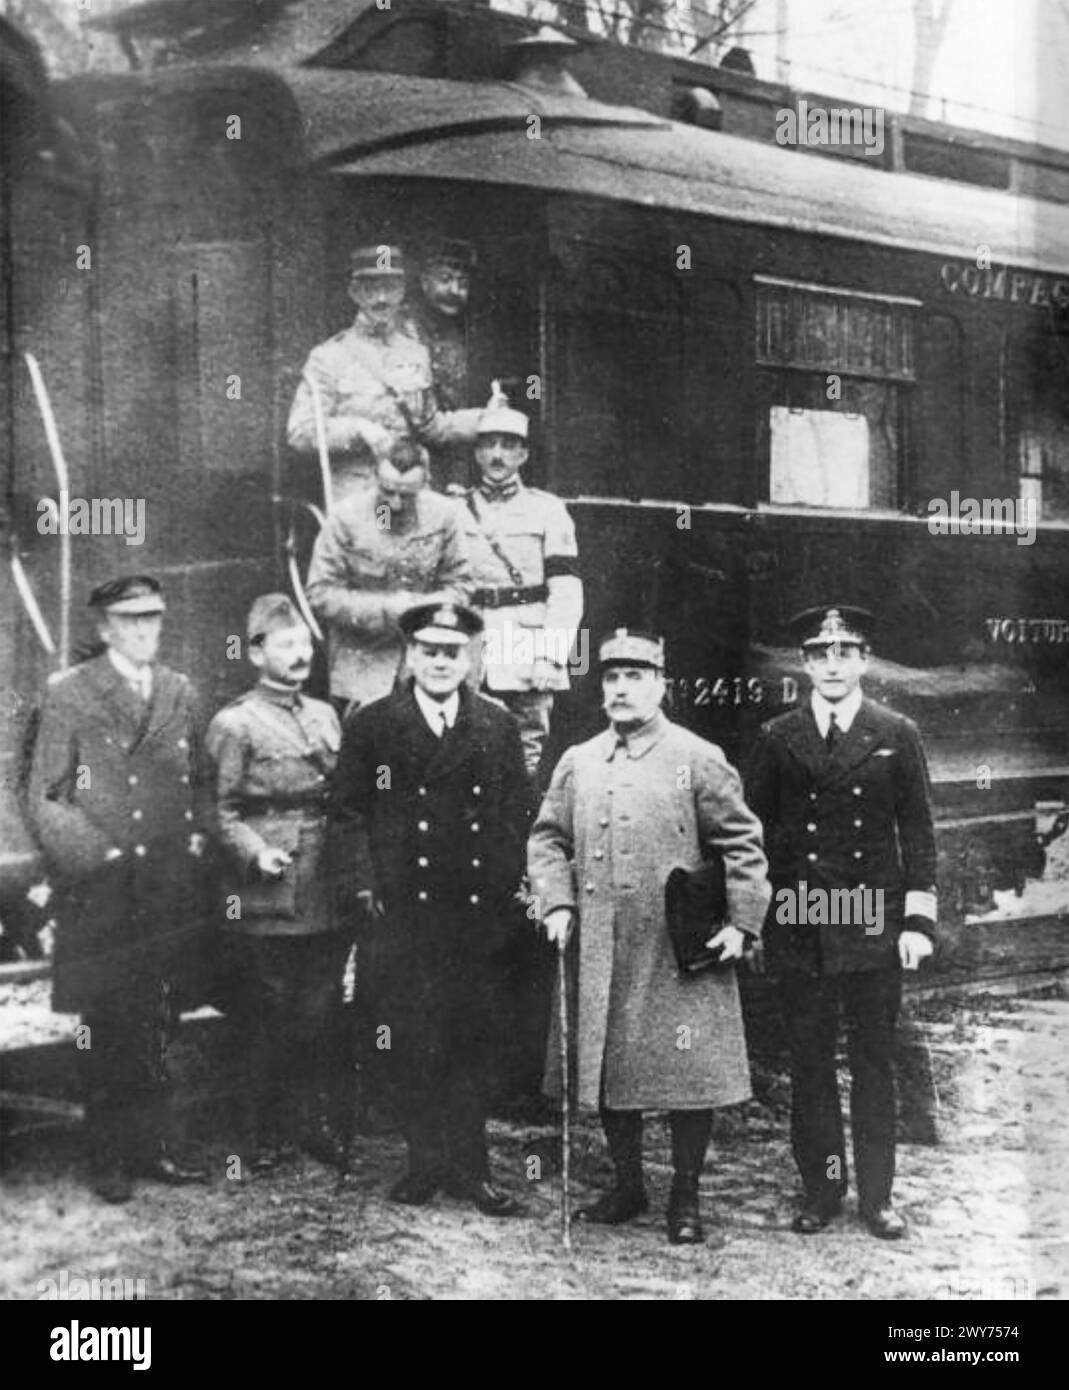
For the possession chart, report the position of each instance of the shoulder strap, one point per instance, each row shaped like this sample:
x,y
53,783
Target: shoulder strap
x,y
492,542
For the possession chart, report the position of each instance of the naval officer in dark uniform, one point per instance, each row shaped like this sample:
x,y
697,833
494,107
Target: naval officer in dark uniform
x,y
274,750
430,809
114,796
841,785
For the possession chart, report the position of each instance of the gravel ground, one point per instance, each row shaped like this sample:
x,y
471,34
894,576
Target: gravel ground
x,y
988,1208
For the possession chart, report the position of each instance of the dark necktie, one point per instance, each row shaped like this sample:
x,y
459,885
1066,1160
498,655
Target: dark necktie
x,y
444,719
834,733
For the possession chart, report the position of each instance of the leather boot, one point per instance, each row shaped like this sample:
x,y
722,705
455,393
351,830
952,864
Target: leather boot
x,y
690,1139
627,1197
319,1136
110,1174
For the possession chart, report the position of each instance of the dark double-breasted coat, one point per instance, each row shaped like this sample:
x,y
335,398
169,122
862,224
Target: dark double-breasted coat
x,y
110,772
860,817
436,828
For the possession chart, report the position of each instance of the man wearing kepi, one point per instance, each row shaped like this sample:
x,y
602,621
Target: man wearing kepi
x,y
841,785
384,550
372,383
115,797
436,317
525,571
273,751
430,816
623,810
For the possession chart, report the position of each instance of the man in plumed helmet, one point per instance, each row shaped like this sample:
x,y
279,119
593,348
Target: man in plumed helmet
x,y
525,572
273,751
641,799
841,785
429,818
115,795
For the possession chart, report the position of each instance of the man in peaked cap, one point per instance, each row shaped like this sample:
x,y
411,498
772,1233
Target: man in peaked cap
x,y
841,785
115,795
429,814
623,810
273,752
373,381
525,572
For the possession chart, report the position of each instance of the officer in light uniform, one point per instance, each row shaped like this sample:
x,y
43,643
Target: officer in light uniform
x,y
274,750
841,785
524,564
373,381
114,794
383,550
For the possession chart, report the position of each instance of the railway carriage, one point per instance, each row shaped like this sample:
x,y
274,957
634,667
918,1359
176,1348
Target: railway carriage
x,y
751,370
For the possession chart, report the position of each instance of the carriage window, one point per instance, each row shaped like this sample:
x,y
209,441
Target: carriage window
x,y
1041,400
834,377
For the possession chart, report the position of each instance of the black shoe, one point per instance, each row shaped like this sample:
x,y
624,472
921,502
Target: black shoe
x,y
490,1200
618,1205
685,1222
885,1223
112,1182
415,1189
814,1216
267,1157
322,1143
163,1167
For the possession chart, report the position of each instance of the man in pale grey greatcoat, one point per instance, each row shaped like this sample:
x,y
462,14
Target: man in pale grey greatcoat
x,y
623,810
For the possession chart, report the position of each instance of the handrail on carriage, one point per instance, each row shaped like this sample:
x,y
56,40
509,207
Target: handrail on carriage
x,y
322,448
24,589
59,464
293,569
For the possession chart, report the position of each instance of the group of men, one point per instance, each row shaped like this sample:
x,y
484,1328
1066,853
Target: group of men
x,y
383,401
404,813
409,825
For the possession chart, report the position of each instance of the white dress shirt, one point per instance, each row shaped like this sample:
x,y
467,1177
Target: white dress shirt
x,y
433,710
139,678
845,711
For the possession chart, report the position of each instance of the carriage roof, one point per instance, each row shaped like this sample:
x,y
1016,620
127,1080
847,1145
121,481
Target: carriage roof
x,y
387,125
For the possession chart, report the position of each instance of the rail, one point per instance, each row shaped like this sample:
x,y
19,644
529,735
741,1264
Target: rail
x,y
59,464
24,589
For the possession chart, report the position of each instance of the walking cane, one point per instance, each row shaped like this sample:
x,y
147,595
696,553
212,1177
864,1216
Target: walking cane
x,y
565,1133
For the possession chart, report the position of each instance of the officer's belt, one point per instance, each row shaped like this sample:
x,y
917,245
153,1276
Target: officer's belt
x,y
509,598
